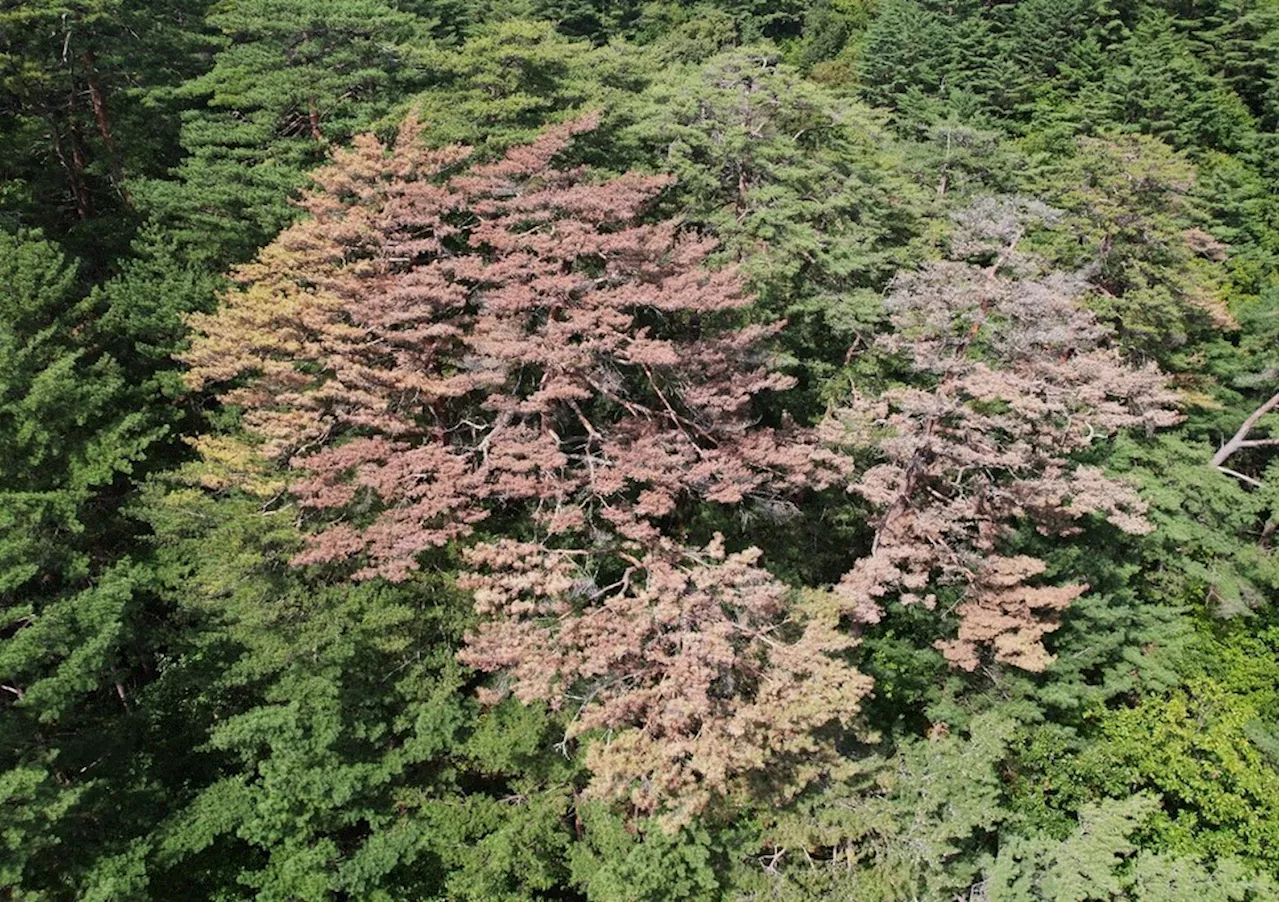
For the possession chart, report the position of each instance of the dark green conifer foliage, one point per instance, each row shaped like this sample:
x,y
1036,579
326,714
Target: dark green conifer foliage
x,y
1102,859
933,61
1132,225
184,716
915,824
72,429
66,430
1236,39
1161,89
342,752
80,113
593,19
293,78
510,80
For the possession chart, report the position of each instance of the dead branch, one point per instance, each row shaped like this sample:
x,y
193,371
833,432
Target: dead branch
x,y
1241,440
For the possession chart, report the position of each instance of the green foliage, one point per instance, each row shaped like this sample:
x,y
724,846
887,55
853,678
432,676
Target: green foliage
x,y
1236,39
615,861
1193,749
66,430
1161,89
185,715
1204,750
932,61
340,752
913,824
513,78
806,191
75,424
80,116
1129,220
1098,862
1205,550
292,78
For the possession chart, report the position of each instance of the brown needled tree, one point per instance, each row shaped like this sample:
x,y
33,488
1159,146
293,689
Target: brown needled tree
x,y
715,681
434,348
1015,376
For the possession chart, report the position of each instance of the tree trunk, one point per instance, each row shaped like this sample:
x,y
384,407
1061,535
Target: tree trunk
x,y
98,99
73,165
313,117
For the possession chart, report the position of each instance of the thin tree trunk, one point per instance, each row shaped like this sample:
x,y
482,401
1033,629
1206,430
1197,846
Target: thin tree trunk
x,y
73,165
98,98
78,155
313,117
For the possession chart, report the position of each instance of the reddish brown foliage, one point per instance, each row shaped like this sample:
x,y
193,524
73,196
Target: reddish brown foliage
x,y
432,348
699,653
1020,381
428,349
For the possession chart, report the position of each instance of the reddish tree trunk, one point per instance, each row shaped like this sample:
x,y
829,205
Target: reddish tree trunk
x,y
98,100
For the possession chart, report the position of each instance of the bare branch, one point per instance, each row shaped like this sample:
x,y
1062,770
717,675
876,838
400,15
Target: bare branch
x,y
1241,440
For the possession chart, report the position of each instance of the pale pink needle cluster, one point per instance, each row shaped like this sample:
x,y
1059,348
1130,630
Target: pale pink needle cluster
x,y
1021,379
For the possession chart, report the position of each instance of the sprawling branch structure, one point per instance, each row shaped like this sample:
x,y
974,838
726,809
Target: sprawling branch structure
x,y
433,348
1016,379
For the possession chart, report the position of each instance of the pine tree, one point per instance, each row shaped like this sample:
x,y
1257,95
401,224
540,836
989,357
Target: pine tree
x,y
322,737
1234,40
431,354
1164,91
804,189
1017,379
471,313
79,119
1130,221
50,63
513,78
293,78
71,431
66,435
1101,859
915,823
931,62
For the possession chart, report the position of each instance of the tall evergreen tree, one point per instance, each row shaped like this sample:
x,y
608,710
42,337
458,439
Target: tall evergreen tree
x,y
807,192
293,78
79,117
71,431
1161,89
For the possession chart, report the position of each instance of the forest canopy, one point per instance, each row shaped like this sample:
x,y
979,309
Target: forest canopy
x,y
558,449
